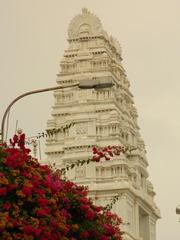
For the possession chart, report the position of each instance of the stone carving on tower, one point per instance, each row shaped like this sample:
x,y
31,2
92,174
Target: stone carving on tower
x,y
83,118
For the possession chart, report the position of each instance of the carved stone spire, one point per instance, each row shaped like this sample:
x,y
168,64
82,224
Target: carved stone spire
x,y
102,117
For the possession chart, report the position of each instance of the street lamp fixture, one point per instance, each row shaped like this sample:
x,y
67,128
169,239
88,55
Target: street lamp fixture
x,y
96,83
86,84
178,209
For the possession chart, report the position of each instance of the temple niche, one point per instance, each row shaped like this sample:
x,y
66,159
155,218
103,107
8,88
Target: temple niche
x,y
83,118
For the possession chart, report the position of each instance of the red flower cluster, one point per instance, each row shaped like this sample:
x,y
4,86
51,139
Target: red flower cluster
x,y
36,204
107,152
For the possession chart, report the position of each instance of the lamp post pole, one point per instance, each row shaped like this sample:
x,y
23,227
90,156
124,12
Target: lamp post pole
x,y
24,95
86,84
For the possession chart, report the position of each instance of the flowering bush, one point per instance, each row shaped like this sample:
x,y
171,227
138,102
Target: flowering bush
x,y
36,204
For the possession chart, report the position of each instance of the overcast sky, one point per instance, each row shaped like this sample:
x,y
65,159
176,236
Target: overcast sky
x,y
32,42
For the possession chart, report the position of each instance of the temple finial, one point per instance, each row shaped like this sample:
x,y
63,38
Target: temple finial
x,y
84,10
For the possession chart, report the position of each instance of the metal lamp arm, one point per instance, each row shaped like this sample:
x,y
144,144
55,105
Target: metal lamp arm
x,y
24,95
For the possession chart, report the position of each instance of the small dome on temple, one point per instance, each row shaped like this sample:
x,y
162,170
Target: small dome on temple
x,y
85,20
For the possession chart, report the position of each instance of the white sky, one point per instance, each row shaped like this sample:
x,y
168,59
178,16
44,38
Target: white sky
x,y
32,42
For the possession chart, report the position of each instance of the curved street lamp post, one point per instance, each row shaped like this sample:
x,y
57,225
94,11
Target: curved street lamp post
x,y
86,84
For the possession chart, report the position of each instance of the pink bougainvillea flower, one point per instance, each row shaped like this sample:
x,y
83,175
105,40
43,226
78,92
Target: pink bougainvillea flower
x,y
3,191
36,203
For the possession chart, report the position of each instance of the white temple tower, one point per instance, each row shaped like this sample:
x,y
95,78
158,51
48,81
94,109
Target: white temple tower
x,y
101,117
